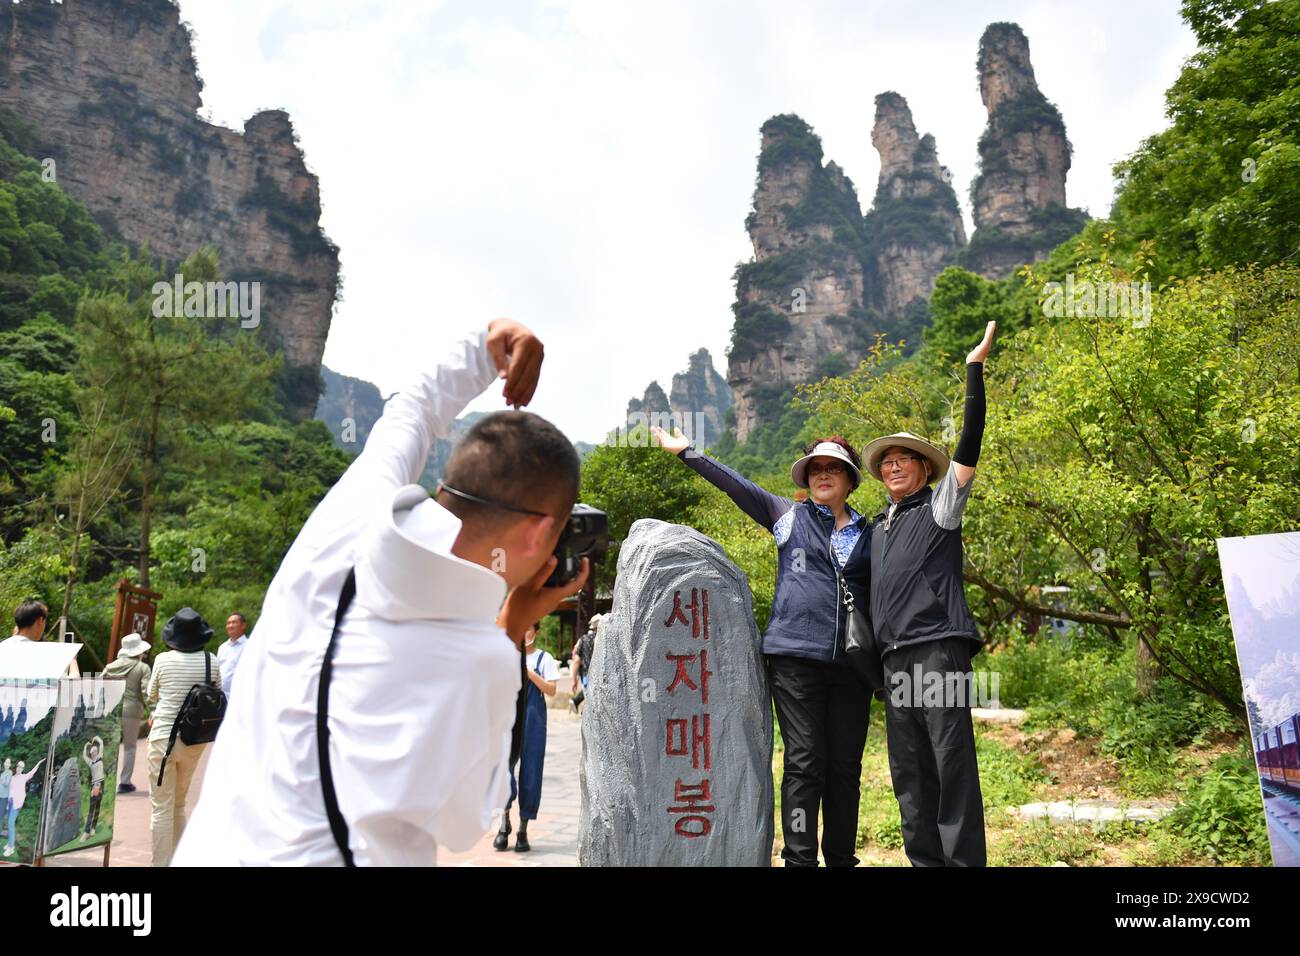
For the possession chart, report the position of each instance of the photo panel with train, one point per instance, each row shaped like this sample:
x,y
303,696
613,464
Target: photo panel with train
x,y
1261,575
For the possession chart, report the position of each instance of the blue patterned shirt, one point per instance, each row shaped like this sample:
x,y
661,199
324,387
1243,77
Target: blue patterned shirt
x,y
842,541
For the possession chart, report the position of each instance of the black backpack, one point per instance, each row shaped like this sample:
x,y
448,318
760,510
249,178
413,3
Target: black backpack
x,y
200,714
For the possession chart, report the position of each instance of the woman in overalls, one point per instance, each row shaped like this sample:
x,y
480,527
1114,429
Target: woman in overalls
x,y
542,671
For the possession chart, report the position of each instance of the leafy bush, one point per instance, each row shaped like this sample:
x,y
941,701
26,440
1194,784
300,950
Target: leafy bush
x,y
1144,731
1007,777
1221,814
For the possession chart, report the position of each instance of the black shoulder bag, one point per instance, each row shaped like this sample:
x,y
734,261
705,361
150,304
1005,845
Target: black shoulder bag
x,y
200,716
859,642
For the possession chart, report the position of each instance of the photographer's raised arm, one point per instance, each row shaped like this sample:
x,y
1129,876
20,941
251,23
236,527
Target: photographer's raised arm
x,y
422,410
759,503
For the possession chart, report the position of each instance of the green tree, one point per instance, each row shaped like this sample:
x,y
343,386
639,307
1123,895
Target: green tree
x,y
99,462
1221,185
179,375
961,305
635,479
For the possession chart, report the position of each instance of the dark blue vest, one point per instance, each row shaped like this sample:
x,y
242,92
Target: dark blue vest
x,y
808,616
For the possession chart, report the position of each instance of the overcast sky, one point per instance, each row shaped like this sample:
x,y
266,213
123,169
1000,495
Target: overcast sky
x,y
586,167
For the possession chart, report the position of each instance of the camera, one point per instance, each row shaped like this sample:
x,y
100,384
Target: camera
x,y
586,535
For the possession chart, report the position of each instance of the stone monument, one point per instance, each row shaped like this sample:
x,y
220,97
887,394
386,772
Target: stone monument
x,y
676,766
63,812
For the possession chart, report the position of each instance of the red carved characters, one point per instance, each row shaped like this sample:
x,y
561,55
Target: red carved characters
x,y
699,736
698,615
692,801
682,677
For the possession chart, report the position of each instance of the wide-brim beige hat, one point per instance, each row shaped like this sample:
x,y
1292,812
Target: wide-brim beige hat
x,y
826,449
874,452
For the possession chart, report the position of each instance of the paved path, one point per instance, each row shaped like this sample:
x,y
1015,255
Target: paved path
x,y
553,835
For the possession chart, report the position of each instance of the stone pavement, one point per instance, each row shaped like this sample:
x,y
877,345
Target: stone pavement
x,y
553,835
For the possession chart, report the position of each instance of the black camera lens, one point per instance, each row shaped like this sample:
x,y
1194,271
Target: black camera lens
x,y
586,535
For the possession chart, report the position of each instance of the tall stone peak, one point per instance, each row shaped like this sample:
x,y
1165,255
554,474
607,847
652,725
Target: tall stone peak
x,y
698,401
915,224
699,363
113,92
894,136
797,200
1005,71
654,401
1018,199
800,303
704,395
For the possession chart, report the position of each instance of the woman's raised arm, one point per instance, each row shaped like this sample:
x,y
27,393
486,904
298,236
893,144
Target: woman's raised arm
x,y
759,503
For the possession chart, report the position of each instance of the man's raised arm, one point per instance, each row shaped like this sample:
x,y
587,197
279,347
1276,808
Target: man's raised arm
x,y
424,409
421,411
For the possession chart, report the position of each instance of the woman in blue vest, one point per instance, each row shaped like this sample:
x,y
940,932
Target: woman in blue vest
x,y
822,705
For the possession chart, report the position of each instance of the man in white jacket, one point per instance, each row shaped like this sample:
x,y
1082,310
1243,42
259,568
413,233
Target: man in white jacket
x,y
426,667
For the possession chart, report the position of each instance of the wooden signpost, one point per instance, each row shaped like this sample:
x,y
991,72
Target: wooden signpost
x,y
134,613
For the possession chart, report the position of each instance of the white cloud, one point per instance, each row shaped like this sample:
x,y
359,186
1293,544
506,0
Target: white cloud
x,y
587,167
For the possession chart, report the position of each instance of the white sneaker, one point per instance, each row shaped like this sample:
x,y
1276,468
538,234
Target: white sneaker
x,y
9,851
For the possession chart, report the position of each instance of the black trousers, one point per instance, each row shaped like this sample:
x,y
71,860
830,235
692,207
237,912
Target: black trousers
x,y
932,756
823,710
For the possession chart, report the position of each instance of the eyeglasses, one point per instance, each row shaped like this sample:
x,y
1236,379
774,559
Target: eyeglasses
x,y
897,462
832,468
443,486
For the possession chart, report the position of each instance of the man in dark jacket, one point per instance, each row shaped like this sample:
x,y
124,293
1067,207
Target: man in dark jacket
x,y
926,633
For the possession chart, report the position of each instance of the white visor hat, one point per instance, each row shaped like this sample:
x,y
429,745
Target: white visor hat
x,y
826,449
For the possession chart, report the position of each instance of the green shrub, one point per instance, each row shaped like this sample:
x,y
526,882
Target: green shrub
x,y
1221,815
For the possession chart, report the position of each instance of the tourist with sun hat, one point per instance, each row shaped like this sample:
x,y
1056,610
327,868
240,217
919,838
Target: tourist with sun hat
x,y
923,627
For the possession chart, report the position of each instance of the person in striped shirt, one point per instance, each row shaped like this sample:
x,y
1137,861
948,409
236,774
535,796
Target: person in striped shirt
x,y
174,673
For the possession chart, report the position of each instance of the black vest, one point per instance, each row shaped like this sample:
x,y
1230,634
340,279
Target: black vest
x,y
916,576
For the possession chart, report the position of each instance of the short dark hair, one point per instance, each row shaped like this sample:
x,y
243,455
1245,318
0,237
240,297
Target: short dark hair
x,y
242,619
515,458
29,612
848,449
